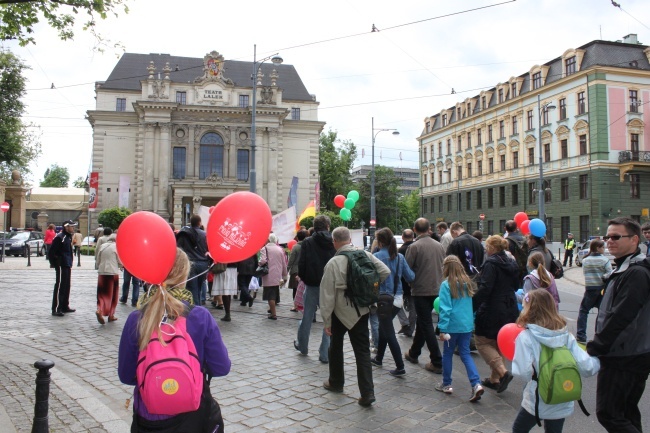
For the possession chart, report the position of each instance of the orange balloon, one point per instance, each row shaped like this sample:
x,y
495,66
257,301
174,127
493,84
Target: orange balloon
x,y
506,339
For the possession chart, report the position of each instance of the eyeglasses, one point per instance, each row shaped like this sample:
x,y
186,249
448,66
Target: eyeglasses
x,y
616,237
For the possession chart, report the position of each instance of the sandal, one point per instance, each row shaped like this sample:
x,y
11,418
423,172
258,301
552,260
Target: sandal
x,y
100,318
293,310
273,317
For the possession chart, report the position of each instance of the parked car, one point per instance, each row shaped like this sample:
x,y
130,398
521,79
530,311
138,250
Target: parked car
x,y
16,243
88,241
583,250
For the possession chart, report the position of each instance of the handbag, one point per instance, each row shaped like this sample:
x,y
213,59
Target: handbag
x,y
218,268
556,268
263,269
386,300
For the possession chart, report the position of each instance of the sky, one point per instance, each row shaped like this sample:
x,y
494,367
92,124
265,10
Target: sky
x,y
398,75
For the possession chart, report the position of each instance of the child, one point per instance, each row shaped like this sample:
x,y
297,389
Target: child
x,y
544,326
456,323
539,277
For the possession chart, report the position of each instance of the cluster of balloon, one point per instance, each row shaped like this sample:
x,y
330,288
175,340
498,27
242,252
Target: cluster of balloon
x,y
346,204
535,227
506,339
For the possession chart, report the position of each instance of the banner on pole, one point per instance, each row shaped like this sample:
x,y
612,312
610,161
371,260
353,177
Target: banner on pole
x,y
292,199
317,197
94,188
284,225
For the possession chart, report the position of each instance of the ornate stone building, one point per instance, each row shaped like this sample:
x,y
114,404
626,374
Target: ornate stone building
x,y
481,156
176,133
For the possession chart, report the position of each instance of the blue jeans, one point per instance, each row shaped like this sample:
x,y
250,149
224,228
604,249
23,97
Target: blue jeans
x,y
387,338
311,299
590,300
525,422
128,280
462,341
195,285
374,327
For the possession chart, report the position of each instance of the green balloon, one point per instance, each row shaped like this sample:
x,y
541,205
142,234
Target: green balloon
x,y
354,195
345,214
349,203
436,305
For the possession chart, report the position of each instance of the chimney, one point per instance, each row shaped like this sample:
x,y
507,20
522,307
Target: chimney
x,y
631,39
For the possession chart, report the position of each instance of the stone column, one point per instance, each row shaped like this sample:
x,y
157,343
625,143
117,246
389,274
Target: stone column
x,y
148,165
42,220
190,153
83,223
197,151
272,171
163,171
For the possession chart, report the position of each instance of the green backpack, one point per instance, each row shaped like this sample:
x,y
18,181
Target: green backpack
x,y
558,380
362,279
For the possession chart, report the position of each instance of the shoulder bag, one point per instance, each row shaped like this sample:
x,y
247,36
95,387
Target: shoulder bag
x,y
386,300
263,270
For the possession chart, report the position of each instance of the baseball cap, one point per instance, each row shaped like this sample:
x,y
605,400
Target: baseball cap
x,y
570,234
67,223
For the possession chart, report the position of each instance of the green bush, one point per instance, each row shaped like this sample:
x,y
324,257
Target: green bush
x,y
87,251
113,217
335,219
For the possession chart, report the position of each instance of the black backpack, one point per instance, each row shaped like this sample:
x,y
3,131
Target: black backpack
x,y
521,256
362,280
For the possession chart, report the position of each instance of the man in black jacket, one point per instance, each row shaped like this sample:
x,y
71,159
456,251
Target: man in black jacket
x,y
193,241
408,324
622,340
61,258
315,252
467,248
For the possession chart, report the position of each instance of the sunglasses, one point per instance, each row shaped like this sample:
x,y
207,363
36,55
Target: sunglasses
x,y
616,237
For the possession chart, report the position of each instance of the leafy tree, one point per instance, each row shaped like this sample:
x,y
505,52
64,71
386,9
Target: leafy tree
x,y
19,17
409,210
79,182
113,217
55,176
335,220
386,199
334,165
19,144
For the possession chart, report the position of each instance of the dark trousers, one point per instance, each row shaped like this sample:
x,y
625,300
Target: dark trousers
x,y
568,254
617,399
424,332
128,280
243,282
61,295
360,341
195,285
590,299
387,338
525,422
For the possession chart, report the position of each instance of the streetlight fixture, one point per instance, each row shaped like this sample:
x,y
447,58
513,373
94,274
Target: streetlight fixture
x,y
277,60
457,193
540,190
373,214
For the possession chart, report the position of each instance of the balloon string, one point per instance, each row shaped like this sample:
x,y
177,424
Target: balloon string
x,y
190,279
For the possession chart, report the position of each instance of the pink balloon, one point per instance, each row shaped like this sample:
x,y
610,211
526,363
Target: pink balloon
x,y
520,217
523,227
291,244
146,246
238,227
506,339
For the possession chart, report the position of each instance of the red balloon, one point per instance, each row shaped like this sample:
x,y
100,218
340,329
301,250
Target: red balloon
x,y
146,246
506,339
238,227
211,209
291,244
339,200
520,217
523,227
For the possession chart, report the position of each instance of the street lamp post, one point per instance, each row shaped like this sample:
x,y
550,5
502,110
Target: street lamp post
x,y
373,214
256,67
540,191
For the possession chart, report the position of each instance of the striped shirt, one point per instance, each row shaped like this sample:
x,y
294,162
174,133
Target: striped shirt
x,y
594,267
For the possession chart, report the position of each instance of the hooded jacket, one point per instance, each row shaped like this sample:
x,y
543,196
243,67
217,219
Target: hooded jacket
x,y
469,251
495,302
315,252
527,352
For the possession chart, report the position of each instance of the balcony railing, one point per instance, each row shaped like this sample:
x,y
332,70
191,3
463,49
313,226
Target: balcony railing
x,y
631,155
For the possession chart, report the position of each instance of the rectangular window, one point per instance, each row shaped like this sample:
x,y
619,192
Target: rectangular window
x,y
531,194
181,98
440,149
469,140
502,129
513,90
469,108
449,203
210,161
562,108
120,104
564,189
529,119
433,201
515,159
570,65
178,163
547,191
537,80
583,144
634,146
479,166
424,206
440,209
458,113
424,154
502,196
458,201
582,109
483,103
634,102
242,164
459,143
444,120
515,126
584,182
295,114
503,163
584,228
468,200
515,195
531,156
448,146
424,179
428,126
479,137
440,178
549,229
564,147
635,186
432,152
489,134
490,228
479,199
490,165
469,227
545,116
490,197
547,152
469,170
565,226
500,96
243,102
459,172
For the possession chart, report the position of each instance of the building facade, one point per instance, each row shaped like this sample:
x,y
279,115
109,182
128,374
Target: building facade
x,y
409,178
587,111
174,133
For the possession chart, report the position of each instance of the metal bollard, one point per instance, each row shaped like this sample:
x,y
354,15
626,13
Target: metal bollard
x,y
41,424
79,256
29,255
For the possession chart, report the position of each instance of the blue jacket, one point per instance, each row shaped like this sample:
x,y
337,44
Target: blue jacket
x,y
456,315
388,285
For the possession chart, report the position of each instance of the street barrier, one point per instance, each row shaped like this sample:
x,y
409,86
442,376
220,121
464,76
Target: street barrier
x,y
41,422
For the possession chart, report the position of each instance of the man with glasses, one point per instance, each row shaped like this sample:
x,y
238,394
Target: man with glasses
x,y
622,340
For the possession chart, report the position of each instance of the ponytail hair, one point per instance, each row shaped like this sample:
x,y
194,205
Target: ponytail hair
x,y
538,262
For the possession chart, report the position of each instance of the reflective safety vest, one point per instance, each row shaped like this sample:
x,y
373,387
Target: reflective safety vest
x,y
569,244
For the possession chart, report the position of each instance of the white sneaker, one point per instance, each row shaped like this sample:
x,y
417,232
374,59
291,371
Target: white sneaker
x,y
477,392
447,389
373,350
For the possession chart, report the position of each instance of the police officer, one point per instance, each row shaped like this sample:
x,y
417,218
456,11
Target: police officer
x,y
61,258
569,246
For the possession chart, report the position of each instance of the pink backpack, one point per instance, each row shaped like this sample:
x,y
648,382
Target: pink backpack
x,y
169,377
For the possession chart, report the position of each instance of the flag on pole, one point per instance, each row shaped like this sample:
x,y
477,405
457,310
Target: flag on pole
x,y
310,211
292,199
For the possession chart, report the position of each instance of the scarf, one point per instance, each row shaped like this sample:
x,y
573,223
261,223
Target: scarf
x,y
180,293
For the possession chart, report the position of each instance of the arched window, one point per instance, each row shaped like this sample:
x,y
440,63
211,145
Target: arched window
x,y
211,156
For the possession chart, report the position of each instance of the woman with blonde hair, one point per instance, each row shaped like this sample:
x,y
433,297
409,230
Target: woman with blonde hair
x,y
163,305
540,278
495,304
